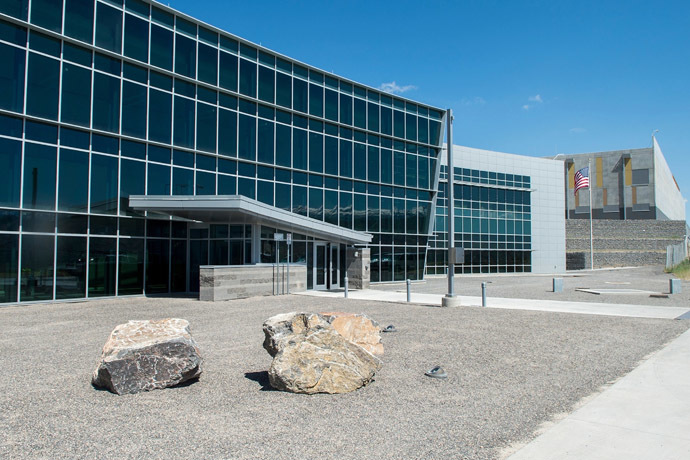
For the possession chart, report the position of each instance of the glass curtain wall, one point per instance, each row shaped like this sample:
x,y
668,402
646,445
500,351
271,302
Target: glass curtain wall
x,y
492,223
101,100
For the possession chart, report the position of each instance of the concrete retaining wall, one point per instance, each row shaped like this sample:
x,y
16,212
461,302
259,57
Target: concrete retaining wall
x,y
228,282
619,243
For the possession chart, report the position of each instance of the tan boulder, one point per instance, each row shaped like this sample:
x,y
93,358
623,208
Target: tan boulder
x,y
358,328
148,355
310,356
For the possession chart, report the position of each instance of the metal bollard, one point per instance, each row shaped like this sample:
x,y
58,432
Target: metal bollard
x,y
346,285
483,293
409,295
558,285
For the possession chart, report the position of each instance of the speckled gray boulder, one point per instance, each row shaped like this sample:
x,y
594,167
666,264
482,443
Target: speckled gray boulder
x,y
148,355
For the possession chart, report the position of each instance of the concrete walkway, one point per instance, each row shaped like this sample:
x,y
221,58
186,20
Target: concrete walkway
x,y
643,416
588,308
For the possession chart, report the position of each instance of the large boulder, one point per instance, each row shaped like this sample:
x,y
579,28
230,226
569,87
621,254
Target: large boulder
x,y
358,328
148,355
279,329
310,356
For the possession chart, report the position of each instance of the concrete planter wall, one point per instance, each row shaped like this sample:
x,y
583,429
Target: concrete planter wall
x,y
228,282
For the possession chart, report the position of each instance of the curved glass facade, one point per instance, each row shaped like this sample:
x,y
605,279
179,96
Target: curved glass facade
x,y
100,100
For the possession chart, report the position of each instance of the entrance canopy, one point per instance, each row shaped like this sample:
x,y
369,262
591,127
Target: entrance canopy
x,y
238,208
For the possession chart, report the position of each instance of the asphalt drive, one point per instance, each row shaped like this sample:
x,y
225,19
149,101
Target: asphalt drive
x,y
508,372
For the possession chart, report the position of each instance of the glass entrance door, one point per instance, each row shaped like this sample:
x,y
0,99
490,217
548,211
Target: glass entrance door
x,y
198,254
335,266
320,266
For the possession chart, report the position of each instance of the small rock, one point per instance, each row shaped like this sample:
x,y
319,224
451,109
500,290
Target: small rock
x,y
358,329
280,328
148,355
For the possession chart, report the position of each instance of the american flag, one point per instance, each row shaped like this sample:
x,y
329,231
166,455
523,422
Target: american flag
x,y
582,179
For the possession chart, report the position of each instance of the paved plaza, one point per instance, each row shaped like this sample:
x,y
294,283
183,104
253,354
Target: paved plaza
x,y
510,371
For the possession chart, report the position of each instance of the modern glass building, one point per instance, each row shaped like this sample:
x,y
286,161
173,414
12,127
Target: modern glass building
x,y
101,100
508,214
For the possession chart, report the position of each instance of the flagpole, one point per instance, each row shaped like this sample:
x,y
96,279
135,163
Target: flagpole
x,y
591,237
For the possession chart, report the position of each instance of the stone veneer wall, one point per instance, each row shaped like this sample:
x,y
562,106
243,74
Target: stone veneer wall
x,y
218,282
621,243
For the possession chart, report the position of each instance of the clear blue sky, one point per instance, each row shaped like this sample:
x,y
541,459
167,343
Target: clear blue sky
x,y
526,77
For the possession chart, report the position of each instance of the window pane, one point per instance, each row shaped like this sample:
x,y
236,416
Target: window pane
x,y
131,271
360,161
9,246
331,160
136,38
102,267
331,111
12,78
283,90
47,14
299,92
158,180
160,113
345,109
10,162
76,95
161,47
411,128
360,113
157,266
73,188
398,124
247,78
373,114
247,138
134,110
205,183
42,86
103,184
16,8
106,103
183,181
228,71
411,168
265,152
265,192
345,158
79,19
283,145
373,164
266,84
299,149
70,267
39,176
184,122
316,100
386,166
227,133
208,64
316,203
185,56
108,28
37,267
315,152
131,183
206,127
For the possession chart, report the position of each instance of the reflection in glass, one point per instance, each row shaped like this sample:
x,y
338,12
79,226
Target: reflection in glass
x,y
70,267
37,267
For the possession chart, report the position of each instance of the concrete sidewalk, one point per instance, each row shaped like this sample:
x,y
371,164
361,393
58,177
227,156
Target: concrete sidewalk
x,y
589,308
643,416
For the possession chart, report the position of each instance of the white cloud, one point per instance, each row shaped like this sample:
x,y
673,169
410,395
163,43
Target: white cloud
x,y
536,98
526,107
578,130
394,88
477,100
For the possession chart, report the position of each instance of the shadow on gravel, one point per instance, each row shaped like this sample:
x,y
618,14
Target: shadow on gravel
x,y
261,378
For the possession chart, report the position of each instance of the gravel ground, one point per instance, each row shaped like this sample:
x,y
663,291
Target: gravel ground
x,y
533,286
509,371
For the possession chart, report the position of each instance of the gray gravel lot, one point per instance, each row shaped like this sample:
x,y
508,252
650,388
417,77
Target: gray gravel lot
x,y
533,286
509,371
